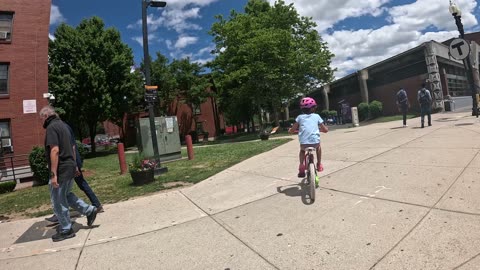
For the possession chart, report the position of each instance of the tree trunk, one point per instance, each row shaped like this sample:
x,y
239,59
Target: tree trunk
x,y
275,115
92,131
260,118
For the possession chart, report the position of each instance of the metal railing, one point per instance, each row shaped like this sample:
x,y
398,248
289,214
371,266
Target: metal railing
x,y
15,167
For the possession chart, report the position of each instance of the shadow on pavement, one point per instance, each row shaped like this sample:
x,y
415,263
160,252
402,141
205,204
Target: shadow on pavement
x,y
297,190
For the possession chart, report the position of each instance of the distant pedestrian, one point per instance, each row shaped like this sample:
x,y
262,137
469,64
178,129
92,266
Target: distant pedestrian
x,y
61,164
79,179
425,100
403,104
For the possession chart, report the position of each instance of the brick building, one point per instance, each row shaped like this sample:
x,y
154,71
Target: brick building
x,y
24,28
429,62
205,120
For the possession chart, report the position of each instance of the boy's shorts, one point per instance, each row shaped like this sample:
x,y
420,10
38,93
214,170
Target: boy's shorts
x,y
304,146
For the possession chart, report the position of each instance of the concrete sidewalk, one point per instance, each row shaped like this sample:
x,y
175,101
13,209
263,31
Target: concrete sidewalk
x,y
389,198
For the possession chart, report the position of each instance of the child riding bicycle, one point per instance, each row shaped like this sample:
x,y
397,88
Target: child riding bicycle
x,y
310,125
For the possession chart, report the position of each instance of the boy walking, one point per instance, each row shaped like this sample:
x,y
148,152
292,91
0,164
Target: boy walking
x,y
403,104
425,100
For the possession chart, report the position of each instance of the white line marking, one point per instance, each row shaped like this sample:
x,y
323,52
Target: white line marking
x,y
107,239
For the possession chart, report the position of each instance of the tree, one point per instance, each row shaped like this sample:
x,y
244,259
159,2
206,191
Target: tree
x,y
268,54
89,74
163,78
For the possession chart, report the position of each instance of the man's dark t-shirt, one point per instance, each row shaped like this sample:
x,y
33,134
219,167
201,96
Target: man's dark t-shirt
x,y
57,134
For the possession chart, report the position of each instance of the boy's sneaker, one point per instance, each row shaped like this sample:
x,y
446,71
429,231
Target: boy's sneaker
x,y
320,167
60,236
92,216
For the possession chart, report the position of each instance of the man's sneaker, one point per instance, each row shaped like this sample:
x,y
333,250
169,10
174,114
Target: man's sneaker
x,y
92,216
60,236
52,219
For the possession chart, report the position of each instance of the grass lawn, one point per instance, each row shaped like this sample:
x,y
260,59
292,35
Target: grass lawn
x,y
383,119
242,137
103,175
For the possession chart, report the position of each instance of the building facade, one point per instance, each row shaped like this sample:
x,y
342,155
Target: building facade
x,y
428,63
205,121
24,28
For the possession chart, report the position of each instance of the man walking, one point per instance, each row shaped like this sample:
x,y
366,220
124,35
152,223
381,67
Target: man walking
x,y
61,164
79,179
425,100
403,104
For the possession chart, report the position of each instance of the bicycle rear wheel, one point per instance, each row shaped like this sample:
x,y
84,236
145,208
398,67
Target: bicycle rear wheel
x,y
311,178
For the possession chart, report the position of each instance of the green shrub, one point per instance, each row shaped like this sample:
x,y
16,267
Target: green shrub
x,y
376,109
324,114
38,164
332,113
363,111
82,149
7,186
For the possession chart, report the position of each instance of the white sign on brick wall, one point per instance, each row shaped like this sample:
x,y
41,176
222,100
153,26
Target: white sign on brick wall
x,y
30,106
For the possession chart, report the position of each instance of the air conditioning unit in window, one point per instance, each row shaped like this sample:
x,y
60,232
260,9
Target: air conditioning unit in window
x,y
3,35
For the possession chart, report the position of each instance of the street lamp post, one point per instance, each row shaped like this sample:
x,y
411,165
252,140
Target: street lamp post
x,y
146,62
457,15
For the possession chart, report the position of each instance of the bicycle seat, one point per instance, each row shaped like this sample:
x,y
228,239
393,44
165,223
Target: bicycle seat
x,y
310,149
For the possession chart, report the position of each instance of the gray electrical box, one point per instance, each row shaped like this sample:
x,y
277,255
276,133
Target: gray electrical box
x,y
168,137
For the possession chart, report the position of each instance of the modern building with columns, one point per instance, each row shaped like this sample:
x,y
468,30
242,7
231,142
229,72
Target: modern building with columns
x,y
429,62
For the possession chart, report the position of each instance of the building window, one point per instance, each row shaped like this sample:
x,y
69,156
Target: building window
x,y
5,137
3,79
6,19
196,110
199,127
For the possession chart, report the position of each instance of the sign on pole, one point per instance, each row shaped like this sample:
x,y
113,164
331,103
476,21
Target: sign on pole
x,y
459,49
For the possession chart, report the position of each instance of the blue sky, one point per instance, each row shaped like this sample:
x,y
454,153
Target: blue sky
x,y
359,33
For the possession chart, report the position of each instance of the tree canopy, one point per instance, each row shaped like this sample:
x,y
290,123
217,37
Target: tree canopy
x,y
265,56
90,75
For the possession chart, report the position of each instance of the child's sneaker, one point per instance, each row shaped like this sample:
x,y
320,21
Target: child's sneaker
x,y
320,167
301,171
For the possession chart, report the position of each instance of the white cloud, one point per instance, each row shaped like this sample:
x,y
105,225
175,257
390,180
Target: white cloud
x,y
152,38
184,41
406,26
202,56
51,37
56,16
327,12
177,16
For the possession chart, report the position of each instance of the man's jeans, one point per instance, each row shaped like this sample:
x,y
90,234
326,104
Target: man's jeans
x,y
62,197
83,185
404,109
425,110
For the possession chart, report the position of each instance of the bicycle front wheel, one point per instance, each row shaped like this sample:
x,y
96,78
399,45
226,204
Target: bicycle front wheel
x,y
311,176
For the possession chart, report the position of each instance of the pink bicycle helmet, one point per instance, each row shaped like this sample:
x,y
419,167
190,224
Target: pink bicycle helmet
x,y
307,103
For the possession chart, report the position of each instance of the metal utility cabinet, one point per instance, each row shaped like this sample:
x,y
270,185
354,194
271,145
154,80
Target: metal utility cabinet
x,y
168,137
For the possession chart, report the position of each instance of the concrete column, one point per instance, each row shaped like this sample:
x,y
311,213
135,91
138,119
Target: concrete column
x,y
362,81
474,60
434,76
325,91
